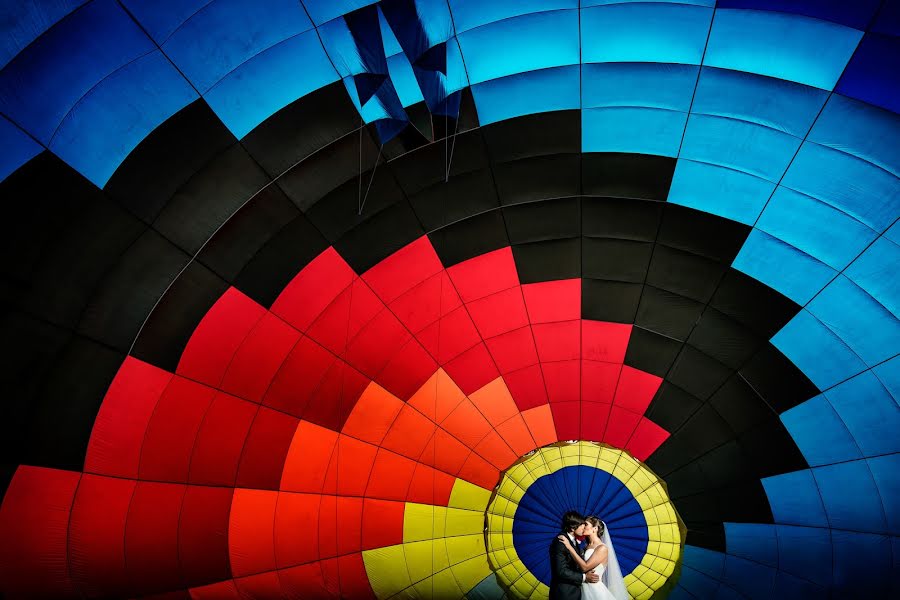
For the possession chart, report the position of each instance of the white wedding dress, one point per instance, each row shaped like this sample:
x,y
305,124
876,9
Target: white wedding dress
x,y
595,591
611,585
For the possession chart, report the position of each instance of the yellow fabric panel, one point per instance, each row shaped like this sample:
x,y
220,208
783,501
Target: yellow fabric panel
x,y
542,592
464,547
462,522
469,496
425,558
386,569
442,585
423,522
571,454
469,573
509,489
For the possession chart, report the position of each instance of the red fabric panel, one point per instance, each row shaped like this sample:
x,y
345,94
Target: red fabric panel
x,y
298,377
115,444
496,451
499,313
176,595
353,578
606,342
203,534
172,431
473,369
562,380
594,417
567,416
466,424
296,529
333,400
259,357
266,448
308,458
646,439
429,486
550,301
409,434
450,336
445,452
328,525
251,527
427,302
527,387
151,538
599,380
304,582
391,476
312,289
622,424
377,343
263,586
636,389
331,576
349,524
485,274
223,590
349,468
558,341
513,350
97,535
382,523
218,336
344,318
220,440
408,370
480,472
404,269
373,415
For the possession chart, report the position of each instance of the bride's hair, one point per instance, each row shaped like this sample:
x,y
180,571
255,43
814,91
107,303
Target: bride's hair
x,y
600,525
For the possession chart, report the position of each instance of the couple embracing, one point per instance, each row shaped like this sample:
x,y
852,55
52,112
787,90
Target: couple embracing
x,y
590,572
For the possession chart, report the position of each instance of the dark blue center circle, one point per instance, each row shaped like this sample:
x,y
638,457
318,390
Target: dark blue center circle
x,y
590,491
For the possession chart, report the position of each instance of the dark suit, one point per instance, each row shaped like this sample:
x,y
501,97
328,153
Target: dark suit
x,y
565,575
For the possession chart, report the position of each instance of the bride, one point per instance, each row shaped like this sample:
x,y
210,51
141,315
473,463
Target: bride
x,y
600,558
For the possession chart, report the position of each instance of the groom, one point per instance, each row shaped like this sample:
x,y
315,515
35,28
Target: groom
x,y
565,576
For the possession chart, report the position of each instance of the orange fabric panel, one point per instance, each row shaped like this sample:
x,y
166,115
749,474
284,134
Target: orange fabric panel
x,y
350,467
296,529
517,435
467,424
437,397
496,451
373,415
480,472
391,476
251,540
540,424
446,453
495,402
410,433
308,458
429,486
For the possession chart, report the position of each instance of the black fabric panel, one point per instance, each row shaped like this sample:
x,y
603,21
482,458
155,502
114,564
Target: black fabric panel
x,y
777,379
242,235
651,352
543,220
167,158
462,196
684,273
623,218
726,465
627,175
702,432
724,339
407,140
129,291
618,260
669,314
420,117
539,177
548,260
534,135
698,373
212,195
469,238
170,325
706,534
280,259
686,481
746,502
753,303
609,301
672,406
427,166
772,448
739,405
308,181
301,128
699,507
372,241
702,233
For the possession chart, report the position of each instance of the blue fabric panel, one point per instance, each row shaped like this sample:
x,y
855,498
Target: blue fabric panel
x,y
794,498
820,230
869,413
437,20
707,3
875,272
520,44
750,579
42,84
893,233
325,10
161,19
468,15
287,71
226,33
850,497
526,93
795,48
747,147
23,22
650,85
373,110
861,322
852,14
888,374
651,32
341,48
819,432
753,541
679,592
365,28
820,354
725,192
805,552
886,472
859,129
404,80
639,130
788,586
872,74
888,19
697,584
856,553
782,105
705,561
18,148
782,267
866,192
113,118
